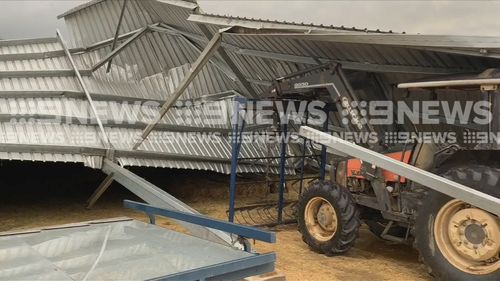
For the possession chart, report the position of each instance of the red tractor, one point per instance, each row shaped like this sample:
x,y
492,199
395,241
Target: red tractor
x,y
456,240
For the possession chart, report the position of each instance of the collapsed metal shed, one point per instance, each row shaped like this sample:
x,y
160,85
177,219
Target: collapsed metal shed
x,y
136,54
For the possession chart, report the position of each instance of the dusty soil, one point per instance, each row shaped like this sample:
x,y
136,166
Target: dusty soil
x,y
55,194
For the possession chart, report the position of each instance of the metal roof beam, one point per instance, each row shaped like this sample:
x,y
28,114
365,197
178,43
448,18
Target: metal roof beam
x,y
109,41
43,73
101,152
243,80
163,27
188,38
482,53
224,68
120,48
202,60
404,40
107,142
5,117
252,24
103,97
51,149
29,41
117,33
38,55
370,67
67,94
233,72
30,56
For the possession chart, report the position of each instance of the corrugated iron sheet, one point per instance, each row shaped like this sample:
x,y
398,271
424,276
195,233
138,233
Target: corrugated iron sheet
x,y
133,251
41,121
152,67
207,115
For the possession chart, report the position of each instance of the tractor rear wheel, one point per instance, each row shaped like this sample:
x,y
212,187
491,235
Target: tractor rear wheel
x,y
455,240
328,218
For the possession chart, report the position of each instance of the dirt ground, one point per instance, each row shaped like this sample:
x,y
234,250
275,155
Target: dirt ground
x,y
55,194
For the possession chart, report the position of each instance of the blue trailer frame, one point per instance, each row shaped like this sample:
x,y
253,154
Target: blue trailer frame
x,y
232,270
129,249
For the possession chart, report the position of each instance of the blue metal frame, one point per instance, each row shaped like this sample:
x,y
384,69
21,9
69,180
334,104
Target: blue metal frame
x,y
241,230
235,152
281,200
232,270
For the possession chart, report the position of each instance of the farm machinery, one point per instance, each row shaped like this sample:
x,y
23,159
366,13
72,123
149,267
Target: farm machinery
x,y
442,196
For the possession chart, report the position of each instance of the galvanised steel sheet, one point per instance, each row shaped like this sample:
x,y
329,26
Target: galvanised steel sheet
x,y
120,250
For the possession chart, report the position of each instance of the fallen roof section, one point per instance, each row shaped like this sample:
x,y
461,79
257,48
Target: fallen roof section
x,y
157,43
129,250
48,118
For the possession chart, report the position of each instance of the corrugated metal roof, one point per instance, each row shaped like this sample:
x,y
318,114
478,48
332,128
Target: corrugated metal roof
x,y
228,20
153,66
40,106
116,114
369,57
62,136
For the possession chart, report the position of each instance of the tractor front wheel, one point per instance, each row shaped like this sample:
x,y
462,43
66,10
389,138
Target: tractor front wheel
x,y
328,218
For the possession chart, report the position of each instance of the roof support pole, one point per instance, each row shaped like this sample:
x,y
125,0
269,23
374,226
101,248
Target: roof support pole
x,y
106,141
99,191
222,52
120,48
202,60
425,178
190,39
117,32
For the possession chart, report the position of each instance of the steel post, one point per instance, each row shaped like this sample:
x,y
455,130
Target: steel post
x,y
117,32
234,68
235,151
107,142
281,200
120,48
106,183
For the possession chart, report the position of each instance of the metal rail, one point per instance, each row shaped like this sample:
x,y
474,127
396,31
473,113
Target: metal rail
x,y
159,198
240,230
450,83
116,51
107,142
232,270
428,179
117,33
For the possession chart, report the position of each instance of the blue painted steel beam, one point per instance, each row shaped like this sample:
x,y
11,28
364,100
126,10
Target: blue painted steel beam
x,y
281,201
232,270
303,160
241,230
235,152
